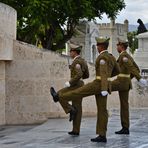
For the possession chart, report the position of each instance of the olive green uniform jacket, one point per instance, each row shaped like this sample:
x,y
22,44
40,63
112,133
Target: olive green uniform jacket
x,y
128,70
76,72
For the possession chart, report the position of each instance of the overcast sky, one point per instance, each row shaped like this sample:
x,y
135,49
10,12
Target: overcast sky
x,y
134,9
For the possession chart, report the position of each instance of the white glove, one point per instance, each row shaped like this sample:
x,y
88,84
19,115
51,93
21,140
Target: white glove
x,y
104,93
67,84
143,81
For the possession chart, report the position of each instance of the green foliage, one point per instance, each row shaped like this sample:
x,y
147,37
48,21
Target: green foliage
x,y
133,41
54,21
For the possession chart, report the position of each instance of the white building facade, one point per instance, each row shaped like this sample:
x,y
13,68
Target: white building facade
x,y
113,31
86,34
88,31
141,54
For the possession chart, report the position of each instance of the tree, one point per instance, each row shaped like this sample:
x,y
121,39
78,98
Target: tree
x,y
133,41
53,22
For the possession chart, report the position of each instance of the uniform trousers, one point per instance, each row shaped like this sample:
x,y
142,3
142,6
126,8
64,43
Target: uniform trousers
x,y
92,88
123,85
76,103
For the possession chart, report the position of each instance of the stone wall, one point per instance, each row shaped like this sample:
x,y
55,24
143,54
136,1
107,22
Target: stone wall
x,y
28,80
7,35
2,92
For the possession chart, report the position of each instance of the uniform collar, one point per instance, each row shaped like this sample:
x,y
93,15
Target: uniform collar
x,y
103,51
76,57
122,52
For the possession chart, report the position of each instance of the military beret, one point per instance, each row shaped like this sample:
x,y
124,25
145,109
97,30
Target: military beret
x,y
101,40
75,47
122,42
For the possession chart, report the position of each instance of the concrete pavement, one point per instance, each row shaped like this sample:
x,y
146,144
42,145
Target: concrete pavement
x,y
53,133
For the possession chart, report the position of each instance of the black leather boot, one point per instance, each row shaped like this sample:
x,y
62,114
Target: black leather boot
x,y
54,94
123,131
99,139
73,133
73,114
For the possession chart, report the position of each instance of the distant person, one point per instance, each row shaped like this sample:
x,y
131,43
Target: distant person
x,y
141,27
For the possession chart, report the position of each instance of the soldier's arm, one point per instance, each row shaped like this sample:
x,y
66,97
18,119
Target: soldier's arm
x,y
77,76
116,68
104,74
127,62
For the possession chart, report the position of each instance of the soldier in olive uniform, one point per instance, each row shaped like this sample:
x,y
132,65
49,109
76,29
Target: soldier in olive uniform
x,y
105,66
76,69
128,70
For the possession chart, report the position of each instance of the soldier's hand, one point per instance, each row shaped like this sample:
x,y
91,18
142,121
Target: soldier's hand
x,y
104,93
67,84
143,82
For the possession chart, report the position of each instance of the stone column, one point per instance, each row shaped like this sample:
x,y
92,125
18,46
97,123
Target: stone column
x,y
8,17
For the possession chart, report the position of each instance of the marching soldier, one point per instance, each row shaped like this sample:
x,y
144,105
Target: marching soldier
x,y
77,68
128,70
100,87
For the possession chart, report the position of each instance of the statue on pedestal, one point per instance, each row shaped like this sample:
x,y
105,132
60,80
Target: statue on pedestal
x,y
141,27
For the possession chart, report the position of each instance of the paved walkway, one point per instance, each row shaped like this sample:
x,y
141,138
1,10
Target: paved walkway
x,y
53,133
